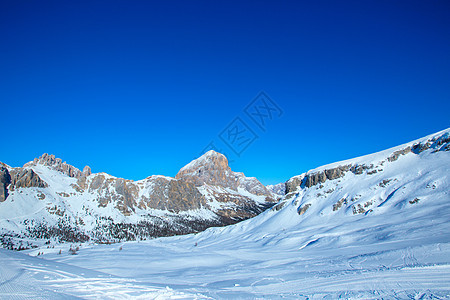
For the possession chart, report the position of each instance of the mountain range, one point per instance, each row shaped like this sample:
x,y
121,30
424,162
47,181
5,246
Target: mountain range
x,y
48,199
371,227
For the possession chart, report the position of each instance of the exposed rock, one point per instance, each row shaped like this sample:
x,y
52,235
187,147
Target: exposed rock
x,y
5,180
312,179
384,183
293,183
337,172
416,200
25,178
397,153
57,164
164,193
127,194
77,188
320,177
87,171
434,143
279,206
339,204
303,209
358,169
361,209
441,143
211,168
446,147
63,194
97,182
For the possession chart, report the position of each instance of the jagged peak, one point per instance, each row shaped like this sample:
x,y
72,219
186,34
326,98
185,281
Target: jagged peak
x,y
50,160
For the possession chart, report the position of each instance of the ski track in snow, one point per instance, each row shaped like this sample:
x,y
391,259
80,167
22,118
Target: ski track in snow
x,y
147,268
25,277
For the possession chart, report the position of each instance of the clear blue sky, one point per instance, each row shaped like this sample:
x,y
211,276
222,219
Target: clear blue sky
x,y
135,88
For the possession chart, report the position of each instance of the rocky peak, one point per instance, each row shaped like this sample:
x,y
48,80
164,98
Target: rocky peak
x,y
211,160
87,171
211,168
57,164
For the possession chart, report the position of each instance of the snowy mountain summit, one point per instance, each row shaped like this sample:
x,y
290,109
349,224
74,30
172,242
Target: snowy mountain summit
x,y
50,199
212,169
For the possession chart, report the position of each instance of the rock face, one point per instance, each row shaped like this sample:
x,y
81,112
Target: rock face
x,y
314,178
441,143
293,183
57,164
212,168
5,180
87,171
26,178
174,195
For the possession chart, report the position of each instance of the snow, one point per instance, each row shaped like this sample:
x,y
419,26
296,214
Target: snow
x,y
396,247
23,276
277,189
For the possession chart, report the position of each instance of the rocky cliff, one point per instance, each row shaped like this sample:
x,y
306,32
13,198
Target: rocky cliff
x,y
5,180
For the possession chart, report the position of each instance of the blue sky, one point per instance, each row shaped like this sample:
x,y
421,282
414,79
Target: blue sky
x,y
135,88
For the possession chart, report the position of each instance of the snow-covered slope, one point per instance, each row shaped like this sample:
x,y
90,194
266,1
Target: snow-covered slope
x,y
27,277
342,231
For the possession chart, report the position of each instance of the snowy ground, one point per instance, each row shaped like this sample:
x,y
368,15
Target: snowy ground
x,y
398,255
239,266
26,277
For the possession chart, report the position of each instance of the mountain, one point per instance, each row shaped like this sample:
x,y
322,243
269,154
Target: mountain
x,y
49,199
279,189
372,227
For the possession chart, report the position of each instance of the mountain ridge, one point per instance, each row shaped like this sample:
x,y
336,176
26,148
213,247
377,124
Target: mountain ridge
x,y
68,198
204,193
